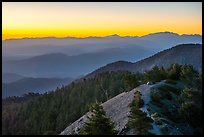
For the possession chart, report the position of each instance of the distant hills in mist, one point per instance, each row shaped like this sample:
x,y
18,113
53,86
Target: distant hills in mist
x,y
36,85
17,85
72,57
10,77
75,46
42,64
180,54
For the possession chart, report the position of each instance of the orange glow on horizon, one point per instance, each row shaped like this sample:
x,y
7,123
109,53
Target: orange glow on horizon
x,y
34,20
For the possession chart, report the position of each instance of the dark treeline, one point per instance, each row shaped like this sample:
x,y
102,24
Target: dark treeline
x,y
52,112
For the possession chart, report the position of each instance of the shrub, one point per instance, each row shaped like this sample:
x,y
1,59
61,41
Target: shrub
x,y
169,81
166,94
155,97
165,87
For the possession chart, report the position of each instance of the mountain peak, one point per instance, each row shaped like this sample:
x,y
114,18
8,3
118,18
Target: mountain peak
x,y
114,35
161,33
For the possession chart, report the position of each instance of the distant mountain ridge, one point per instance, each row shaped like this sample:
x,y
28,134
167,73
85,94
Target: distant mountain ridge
x,y
76,46
11,77
62,65
114,35
72,57
181,54
36,85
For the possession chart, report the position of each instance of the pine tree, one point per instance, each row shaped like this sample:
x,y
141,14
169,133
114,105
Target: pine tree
x,y
132,80
138,120
98,124
174,71
154,75
137,102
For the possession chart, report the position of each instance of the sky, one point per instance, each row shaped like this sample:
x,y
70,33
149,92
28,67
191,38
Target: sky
x,y
63,19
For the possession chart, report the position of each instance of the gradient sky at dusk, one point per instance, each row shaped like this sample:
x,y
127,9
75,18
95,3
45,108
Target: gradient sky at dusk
x,y
99,19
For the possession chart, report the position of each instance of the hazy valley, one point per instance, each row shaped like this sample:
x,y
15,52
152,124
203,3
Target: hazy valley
x,y
115,81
